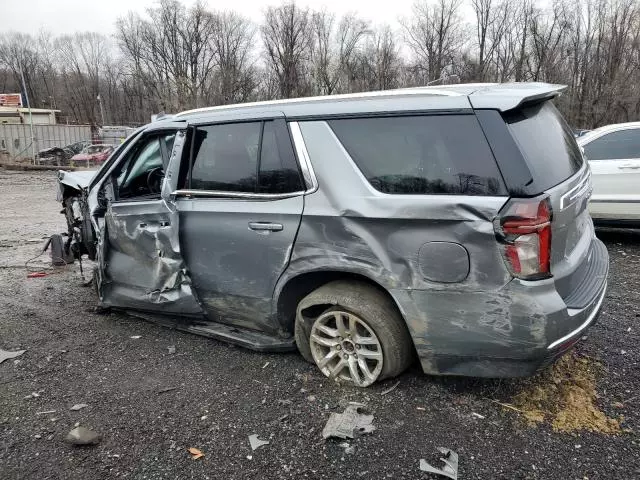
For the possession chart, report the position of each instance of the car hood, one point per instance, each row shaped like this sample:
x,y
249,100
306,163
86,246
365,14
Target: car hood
x,y
77,180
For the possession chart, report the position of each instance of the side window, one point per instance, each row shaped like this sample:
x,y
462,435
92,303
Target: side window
x,y
615,145
225,157
142,172
250,157
278,166
445,154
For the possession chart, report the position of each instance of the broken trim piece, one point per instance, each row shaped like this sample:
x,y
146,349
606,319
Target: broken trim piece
x,y
450,469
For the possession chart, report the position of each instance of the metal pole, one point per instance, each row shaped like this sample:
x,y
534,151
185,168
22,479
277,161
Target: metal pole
x,y
101,109
26,96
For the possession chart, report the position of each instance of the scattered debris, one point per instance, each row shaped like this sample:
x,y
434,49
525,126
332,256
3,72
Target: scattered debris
x,y
168,389
283,417
82,436
135,337
195,453
78,406
171,349
266,365
46,412
204,417
285,401
390,389
618,404
37,274
32,395
450,469
348,449
311,398
422,409
477,415
255,442
348,424
5,355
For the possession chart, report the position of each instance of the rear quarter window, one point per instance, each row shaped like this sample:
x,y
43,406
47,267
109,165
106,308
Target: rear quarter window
x,y
435,155
546,142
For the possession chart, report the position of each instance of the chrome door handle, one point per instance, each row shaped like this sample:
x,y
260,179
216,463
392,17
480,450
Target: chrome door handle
x,y
271,227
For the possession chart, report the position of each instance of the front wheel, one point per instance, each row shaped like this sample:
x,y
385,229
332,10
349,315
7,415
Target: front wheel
x,y
353,332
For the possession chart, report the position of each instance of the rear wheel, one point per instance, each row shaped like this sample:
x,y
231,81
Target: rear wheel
x,y
353,332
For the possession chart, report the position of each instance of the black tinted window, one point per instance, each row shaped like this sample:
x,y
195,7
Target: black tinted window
x,y
445,154
226,157
621,144
546,142
278,167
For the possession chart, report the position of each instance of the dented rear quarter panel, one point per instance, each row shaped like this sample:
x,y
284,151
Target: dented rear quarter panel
x,y
349,226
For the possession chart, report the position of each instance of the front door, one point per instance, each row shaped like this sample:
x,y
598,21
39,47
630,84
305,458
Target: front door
x,y
141,266
615,163
240,205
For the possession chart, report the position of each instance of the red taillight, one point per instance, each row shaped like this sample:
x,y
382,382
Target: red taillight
x,y
524,228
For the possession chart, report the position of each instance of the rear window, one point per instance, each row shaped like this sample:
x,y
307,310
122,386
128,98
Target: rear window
x,y
547,143
444,154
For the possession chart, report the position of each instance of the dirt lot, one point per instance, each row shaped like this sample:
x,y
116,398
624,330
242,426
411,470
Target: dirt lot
x,y
222,394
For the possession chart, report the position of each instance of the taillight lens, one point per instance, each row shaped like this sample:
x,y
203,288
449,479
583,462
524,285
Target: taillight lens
x,y
524,229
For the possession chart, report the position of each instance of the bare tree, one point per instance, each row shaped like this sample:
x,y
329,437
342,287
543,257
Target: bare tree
x,y
334,47
435,36
288,39
232,41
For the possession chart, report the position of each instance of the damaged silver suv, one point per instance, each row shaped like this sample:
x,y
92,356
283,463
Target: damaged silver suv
x,y
445,223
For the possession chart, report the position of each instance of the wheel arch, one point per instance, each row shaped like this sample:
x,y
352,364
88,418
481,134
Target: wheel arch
x,y
296,287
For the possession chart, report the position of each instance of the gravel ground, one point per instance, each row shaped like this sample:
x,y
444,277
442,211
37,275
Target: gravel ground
x,y
221,394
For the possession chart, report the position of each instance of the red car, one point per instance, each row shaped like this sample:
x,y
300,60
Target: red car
x,y
92,155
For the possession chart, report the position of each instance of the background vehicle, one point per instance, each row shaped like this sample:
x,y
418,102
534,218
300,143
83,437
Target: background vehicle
x,y
613,153
92,155
60,155
361,229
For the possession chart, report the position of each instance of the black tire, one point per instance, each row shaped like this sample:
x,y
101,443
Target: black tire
x,y
371,305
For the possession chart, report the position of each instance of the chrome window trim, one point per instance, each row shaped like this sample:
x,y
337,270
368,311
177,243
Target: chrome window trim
x,y
304,161
234,195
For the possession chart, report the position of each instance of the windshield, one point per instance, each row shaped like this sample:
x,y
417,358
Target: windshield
x,y
547,143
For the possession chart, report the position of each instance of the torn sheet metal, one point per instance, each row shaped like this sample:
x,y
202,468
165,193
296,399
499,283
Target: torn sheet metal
x,y
255,442
348,424
5,355
143,264
450,469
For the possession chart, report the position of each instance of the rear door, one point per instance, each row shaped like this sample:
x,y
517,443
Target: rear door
x,y
240,200
615,162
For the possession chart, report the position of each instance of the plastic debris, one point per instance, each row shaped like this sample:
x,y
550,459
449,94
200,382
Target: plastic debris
x,y
135,337
255,442
195,453
171,349
450,469
266,365
348,424
5,355
32,395
82,436
78,406
477,415
390,389
46,412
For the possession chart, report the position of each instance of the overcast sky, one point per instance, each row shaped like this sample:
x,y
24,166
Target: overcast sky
x,y
67,16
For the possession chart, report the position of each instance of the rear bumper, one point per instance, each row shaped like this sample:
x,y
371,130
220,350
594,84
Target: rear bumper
x,y
510,333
